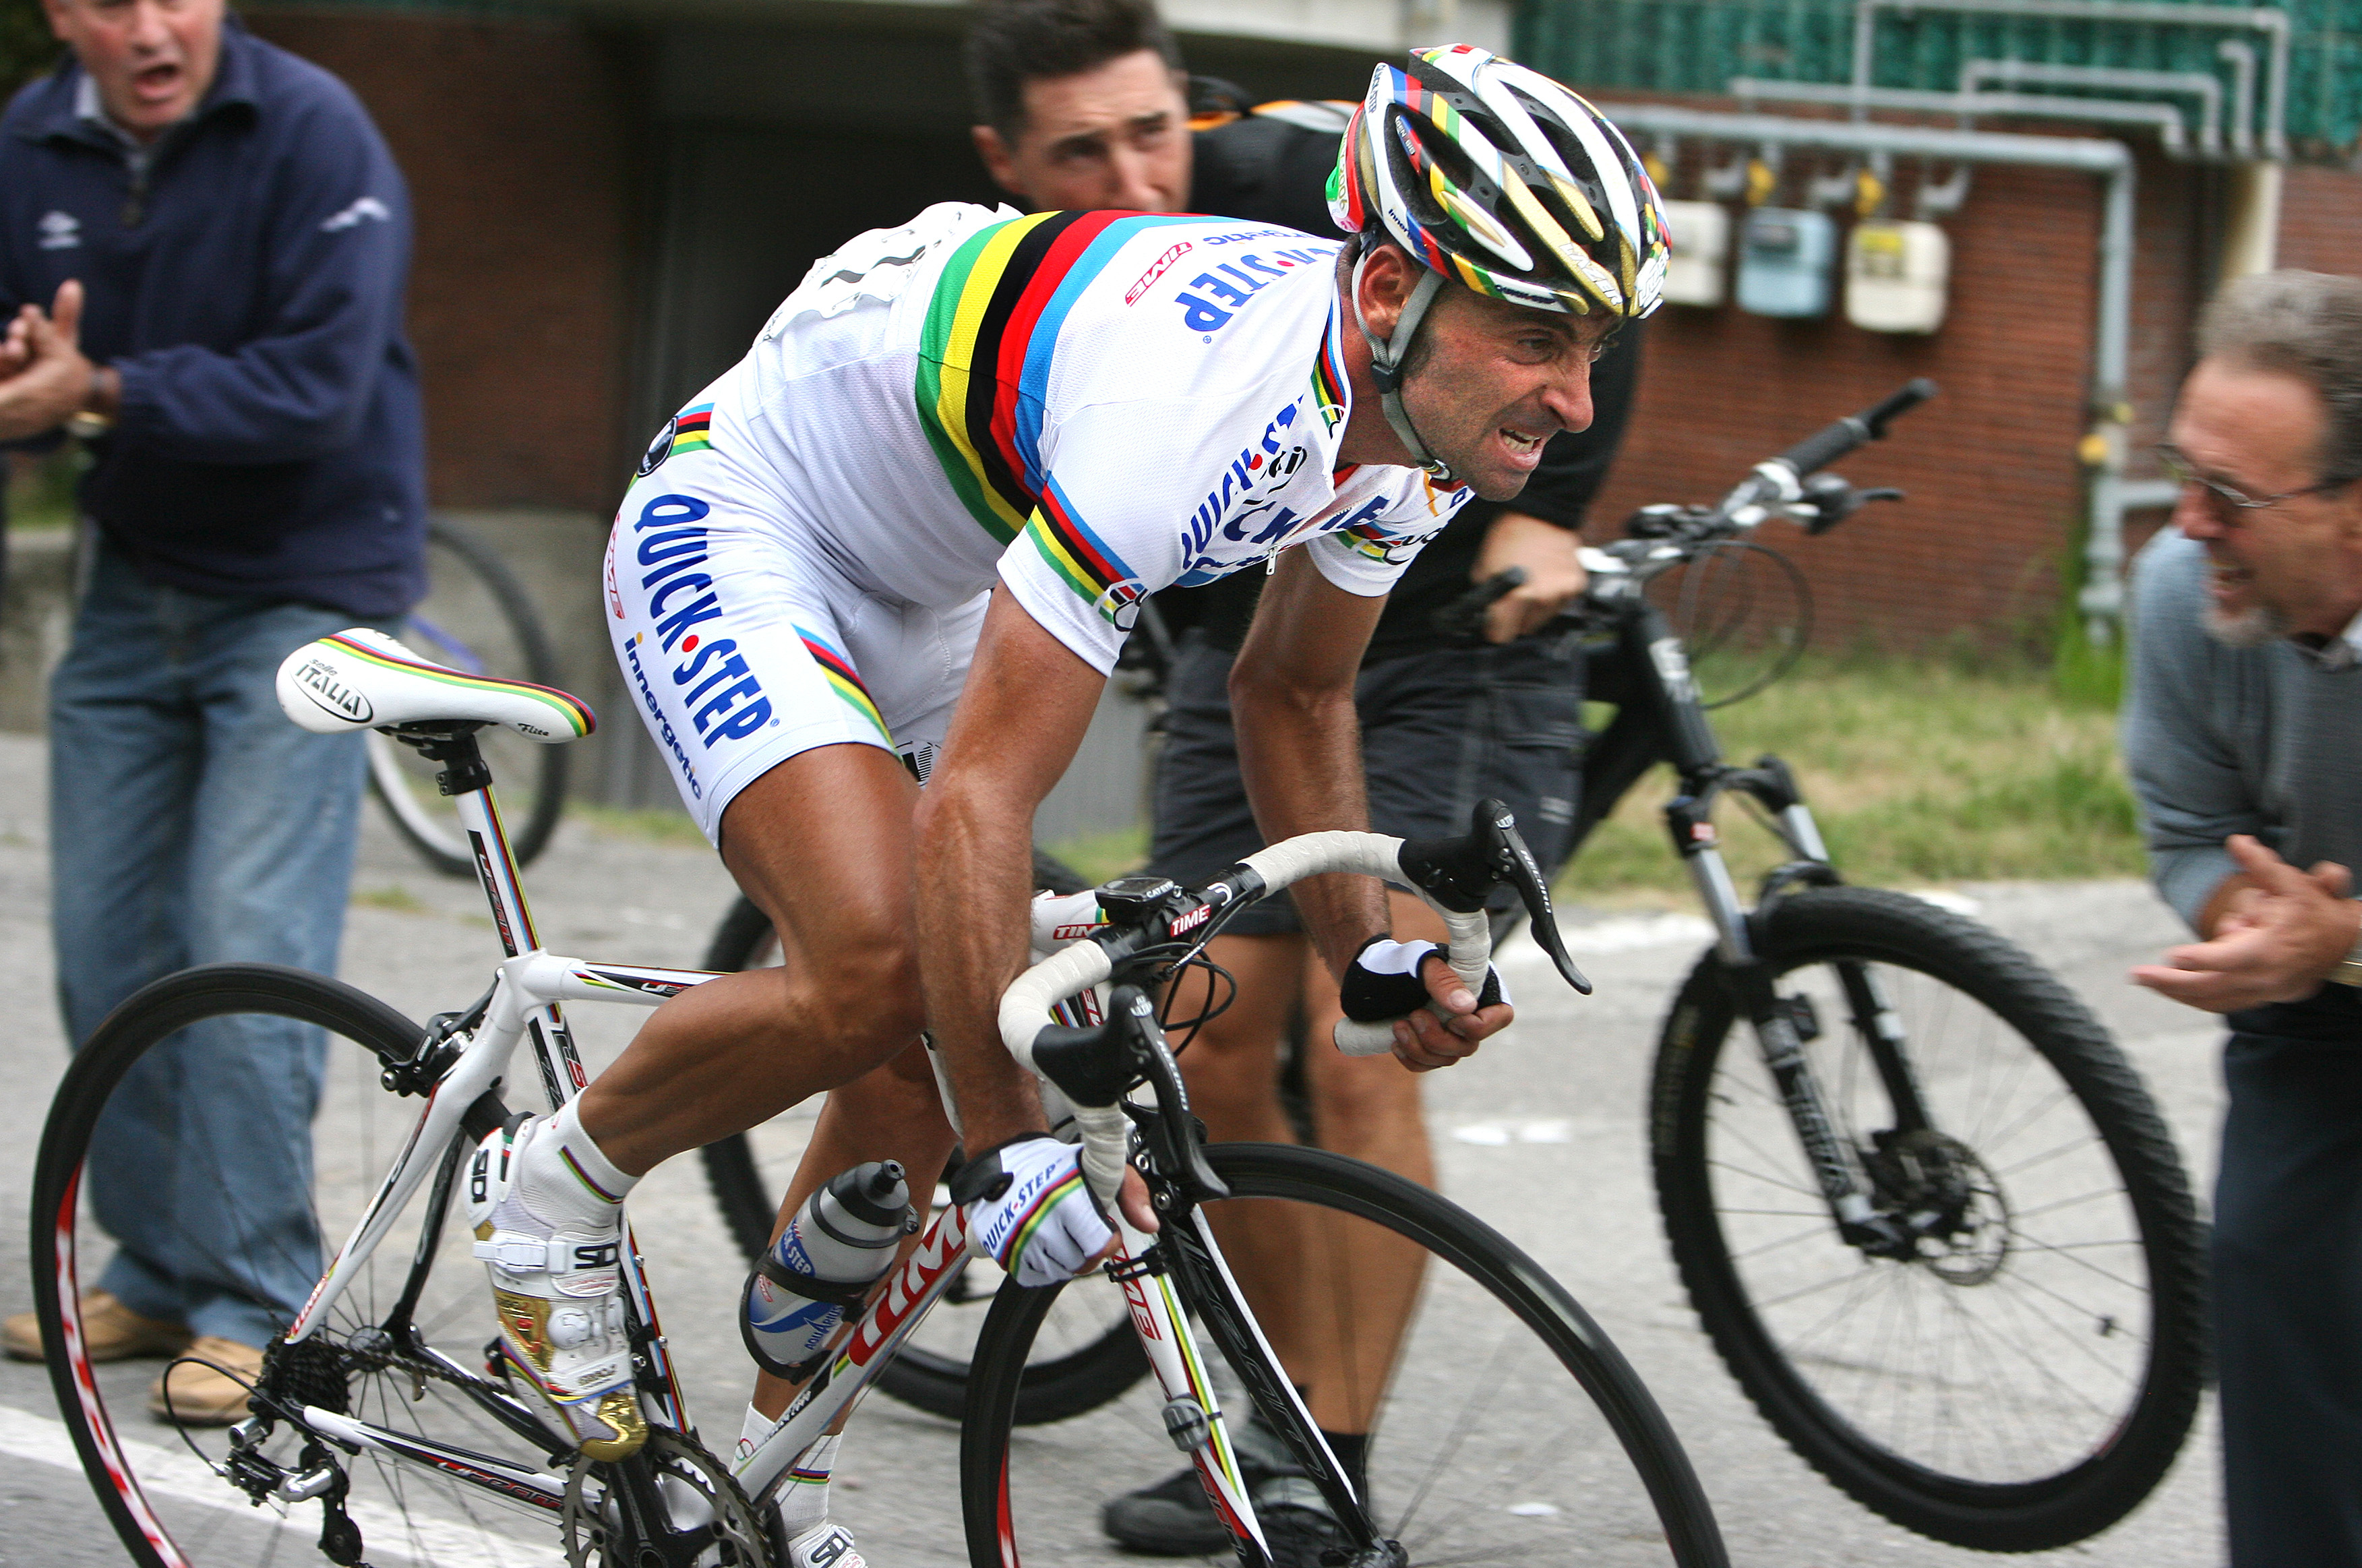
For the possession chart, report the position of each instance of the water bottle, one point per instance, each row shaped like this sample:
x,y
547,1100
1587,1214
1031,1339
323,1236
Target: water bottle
x,y
831,1253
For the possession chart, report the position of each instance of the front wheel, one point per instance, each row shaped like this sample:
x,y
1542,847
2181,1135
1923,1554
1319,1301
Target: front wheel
x,y
2024,1378
1502,1425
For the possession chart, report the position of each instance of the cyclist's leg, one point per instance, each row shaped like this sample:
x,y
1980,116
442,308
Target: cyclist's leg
x,y
1357,1283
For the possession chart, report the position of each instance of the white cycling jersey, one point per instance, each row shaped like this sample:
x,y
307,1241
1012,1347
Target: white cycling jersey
x,y
1089,406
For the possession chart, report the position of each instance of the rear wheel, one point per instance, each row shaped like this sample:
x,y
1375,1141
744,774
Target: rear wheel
x,y
1505,1429
477,617
2025,1379
202,1063
1083,1358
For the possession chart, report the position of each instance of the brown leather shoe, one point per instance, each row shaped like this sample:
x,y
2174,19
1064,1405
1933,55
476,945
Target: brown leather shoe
x,y
110,1332
202,1395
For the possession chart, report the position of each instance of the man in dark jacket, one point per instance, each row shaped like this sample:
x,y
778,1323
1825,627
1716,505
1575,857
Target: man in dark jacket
x,y
203,243
1082,106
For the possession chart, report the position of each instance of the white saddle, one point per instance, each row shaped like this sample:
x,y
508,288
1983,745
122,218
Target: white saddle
x,y
361,679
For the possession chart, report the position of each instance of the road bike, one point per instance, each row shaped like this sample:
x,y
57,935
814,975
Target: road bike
x,y
1932,1221
477,617
1504,1425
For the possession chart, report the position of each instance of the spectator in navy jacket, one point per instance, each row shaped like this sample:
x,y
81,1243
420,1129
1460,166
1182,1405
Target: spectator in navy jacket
x,y
204,243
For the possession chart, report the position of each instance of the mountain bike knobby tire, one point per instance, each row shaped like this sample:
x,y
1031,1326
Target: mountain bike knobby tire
x,y
2065,1310
1056,1388
171,1507
1508,1427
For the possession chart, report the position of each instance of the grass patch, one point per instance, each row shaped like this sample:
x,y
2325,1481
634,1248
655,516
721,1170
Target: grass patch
x,y
1918,771
40,488
648,825
401,900
1101,855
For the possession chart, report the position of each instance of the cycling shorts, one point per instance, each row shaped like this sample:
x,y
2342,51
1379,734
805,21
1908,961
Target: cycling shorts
x,y
743,643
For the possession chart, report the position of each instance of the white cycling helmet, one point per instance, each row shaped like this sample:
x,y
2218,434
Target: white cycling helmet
x,y
1496,176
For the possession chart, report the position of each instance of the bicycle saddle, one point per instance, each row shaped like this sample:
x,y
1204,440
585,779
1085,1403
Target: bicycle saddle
x,y
361,679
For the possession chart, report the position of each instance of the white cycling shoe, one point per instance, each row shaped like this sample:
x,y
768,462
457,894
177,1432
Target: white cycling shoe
x,y
558,1294
825,1545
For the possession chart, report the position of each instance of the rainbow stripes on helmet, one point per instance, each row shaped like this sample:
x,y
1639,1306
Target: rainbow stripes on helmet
x,y
1498,178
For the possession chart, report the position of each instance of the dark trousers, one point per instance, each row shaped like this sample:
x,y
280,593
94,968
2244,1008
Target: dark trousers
x,y
2288,1302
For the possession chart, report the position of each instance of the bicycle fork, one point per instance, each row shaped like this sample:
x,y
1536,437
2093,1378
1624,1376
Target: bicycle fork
x,y
1785,1026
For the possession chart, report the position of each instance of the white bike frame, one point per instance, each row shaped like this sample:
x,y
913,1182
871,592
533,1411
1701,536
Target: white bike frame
x,y
527,994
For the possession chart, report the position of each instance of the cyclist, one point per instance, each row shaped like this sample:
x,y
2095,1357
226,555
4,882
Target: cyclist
x,y
1086,408
1081,106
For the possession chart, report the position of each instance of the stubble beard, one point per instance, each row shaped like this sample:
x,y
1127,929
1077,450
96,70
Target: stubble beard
x,y
2249,628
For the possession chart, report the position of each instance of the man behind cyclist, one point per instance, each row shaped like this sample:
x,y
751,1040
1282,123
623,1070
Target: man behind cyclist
x,y
1086,408
1080,105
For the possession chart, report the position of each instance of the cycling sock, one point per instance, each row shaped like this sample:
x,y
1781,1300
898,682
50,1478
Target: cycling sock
x,y
804,1501
562,1175
1353,1452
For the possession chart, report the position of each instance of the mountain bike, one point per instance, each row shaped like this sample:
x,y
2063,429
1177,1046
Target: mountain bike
x,y
1932,1221
1505,1424
476,617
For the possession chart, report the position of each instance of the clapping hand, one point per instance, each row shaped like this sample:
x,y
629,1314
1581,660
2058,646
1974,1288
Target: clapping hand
x,y
43,374
2278,939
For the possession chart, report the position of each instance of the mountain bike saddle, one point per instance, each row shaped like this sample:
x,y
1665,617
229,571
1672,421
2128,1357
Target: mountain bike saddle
x,y
361,679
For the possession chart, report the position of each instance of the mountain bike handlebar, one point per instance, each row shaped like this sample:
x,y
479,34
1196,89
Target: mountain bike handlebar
x,y
1143,917
1827,445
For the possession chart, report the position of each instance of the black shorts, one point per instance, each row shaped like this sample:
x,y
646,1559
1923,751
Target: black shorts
x,y
1440,731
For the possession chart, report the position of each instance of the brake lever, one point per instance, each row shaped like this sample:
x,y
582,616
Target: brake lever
x,y
1461,874
1178,1156
1462,620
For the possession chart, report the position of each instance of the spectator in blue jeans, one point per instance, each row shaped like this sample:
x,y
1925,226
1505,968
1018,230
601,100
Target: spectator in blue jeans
x,y
203,243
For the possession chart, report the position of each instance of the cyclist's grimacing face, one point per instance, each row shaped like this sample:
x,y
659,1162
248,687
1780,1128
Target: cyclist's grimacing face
x,y
1114,135
1496,381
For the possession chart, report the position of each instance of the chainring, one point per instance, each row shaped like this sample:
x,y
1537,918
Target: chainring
x,y
598,1532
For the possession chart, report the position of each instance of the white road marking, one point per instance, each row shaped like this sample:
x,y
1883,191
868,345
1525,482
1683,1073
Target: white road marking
x,y
180,1476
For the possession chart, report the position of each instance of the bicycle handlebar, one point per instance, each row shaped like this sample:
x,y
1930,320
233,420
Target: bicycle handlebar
x,y
1827,445
1454,877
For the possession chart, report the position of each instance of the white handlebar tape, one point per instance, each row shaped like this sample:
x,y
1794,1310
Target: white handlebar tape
x,y
1469,952
1316,854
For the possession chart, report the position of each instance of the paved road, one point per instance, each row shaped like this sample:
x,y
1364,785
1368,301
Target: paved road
x,y
1543,1135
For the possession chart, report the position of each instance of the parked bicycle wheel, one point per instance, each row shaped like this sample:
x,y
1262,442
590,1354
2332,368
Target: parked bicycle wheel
x,y
478,617
1082,1358
235,1215
2027,1379
1508,1427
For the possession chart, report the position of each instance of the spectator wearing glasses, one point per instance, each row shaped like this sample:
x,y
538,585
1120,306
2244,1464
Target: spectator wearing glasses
x,y
2242,736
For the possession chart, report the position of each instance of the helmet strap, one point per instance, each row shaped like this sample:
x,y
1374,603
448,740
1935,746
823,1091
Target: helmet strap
x,y
1386,359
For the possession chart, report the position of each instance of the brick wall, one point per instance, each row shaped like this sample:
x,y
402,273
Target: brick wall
x,y
2320,221
1990,466
520,153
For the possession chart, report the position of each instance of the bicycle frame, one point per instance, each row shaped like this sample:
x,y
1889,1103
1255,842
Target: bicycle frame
x,y
457,1068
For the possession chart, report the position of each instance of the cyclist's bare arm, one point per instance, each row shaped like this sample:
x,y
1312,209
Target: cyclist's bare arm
x,y
1021,716
1301,751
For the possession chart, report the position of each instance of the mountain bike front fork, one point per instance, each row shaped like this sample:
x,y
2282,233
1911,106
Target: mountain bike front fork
x,y
1785,1026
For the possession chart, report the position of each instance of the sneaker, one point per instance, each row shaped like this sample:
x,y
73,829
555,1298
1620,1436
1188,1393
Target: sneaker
x,y
1298,1525
210,1386
110,1332
1174,1517
824,1545
559,1296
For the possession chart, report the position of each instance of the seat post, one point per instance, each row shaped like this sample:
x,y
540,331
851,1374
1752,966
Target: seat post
x,y
463,764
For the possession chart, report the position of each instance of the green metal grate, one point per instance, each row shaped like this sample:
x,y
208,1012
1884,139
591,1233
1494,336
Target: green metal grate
x,y
1698,46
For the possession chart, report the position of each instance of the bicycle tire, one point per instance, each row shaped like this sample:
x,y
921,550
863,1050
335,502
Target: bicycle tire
x,y
1624,1479
1719,1138
1097,1369
164,1509
519,648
